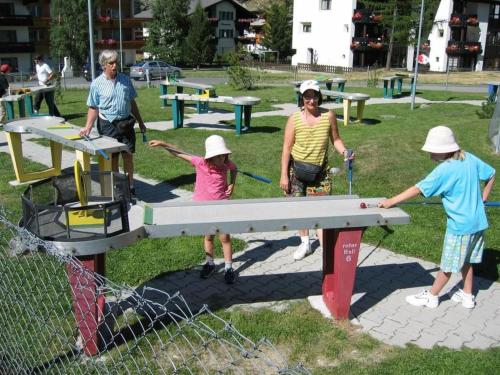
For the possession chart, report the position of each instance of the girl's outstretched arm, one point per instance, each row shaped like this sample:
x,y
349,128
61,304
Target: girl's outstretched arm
x,y
405,195
170,148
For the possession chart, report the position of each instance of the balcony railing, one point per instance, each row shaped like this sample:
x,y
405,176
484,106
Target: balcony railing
x,y
463,48
367,44
16,47
16,20
366,16
462,20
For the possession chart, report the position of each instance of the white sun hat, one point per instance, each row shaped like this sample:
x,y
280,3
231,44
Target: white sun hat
x,y
440,140
310,84
215,145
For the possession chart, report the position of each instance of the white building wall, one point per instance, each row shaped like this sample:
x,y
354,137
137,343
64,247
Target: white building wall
x,y
331,33
22,36
226,44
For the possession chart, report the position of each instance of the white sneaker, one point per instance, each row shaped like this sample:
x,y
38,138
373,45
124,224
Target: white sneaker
x,y
468,300
424,298
302,251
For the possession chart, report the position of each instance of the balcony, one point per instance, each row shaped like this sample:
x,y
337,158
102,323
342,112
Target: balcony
x,y
462,20
463,48
367,44
16,20
17,47
366,16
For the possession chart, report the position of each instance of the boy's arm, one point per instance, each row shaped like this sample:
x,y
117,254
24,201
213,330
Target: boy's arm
x,y
488,187
405,195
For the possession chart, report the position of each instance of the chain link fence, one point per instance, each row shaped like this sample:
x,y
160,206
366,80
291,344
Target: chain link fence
x,y
57,317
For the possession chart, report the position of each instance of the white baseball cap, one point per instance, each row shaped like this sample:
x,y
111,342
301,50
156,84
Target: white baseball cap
x,y
215,145
310,84
440,140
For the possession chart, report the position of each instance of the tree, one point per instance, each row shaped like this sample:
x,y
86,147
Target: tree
x,y
168,29
199,42
69,31
401,19
278,28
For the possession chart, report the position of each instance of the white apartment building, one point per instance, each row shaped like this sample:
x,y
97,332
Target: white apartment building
x,y
344,33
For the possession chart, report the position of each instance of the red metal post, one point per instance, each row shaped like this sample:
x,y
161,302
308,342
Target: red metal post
x,y
88,302
340,258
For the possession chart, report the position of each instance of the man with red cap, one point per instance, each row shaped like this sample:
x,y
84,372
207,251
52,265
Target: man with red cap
x,y
4,85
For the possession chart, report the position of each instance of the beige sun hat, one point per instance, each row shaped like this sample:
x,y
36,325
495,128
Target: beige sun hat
x,y
440,140
310,84
215,145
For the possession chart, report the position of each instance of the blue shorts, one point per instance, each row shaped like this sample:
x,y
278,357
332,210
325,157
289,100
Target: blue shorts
x,y
461,249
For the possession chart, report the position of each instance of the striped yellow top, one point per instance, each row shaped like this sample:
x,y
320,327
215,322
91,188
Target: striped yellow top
x,y
311,142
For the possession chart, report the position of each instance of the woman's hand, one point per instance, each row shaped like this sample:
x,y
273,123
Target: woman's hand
x,y
155,143
229,190
285,184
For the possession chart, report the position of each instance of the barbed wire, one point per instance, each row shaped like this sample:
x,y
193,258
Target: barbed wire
x,y
58,317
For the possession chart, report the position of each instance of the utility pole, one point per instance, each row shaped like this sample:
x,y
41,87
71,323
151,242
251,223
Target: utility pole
x,y
415,75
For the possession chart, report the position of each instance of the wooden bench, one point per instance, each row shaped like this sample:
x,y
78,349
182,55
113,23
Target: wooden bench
x,y
242,107
199,89
328,83
389,84
348,98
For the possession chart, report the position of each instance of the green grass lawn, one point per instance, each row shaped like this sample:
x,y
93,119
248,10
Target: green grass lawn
x,y
388,160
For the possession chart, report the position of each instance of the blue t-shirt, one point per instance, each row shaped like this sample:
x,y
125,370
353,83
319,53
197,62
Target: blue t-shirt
x,y
112,97
457,182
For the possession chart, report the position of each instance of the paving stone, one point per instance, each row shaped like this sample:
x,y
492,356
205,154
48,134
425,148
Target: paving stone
x,y
480,341
452,341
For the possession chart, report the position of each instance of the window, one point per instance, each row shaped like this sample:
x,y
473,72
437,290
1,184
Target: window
x,y
325,4
226,33
8,36
306,27
441,33
226,16
6,9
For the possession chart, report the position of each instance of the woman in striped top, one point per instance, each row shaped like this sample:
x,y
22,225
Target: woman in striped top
x,y
306,139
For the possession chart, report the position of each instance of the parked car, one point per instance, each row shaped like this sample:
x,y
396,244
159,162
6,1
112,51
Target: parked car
x,y
157,69
87,74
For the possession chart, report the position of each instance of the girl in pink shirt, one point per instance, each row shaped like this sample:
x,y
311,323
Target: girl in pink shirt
x,y
211,184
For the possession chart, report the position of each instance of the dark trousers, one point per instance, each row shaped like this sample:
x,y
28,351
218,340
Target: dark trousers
x,y
38,102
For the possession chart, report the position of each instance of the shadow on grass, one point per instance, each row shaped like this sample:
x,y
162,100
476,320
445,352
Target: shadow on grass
x,y
162,191
353,121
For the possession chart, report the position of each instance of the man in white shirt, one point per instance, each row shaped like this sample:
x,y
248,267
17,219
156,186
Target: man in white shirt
x,y
45,77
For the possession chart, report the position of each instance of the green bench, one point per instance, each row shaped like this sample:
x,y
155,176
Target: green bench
x,y
396,79
242,107
199,88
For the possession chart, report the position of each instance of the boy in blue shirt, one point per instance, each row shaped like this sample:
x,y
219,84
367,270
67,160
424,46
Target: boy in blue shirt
x,y
457,181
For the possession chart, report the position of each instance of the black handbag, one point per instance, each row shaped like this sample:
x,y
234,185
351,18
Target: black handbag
x,y
125,126
307,172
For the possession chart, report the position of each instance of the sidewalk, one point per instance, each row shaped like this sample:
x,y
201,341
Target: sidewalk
x,y
269,277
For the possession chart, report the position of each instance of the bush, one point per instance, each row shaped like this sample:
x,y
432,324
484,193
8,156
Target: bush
x,y
487,108
373,76
240,77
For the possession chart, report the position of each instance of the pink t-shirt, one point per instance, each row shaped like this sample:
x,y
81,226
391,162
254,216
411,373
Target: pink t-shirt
x,y
211,182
